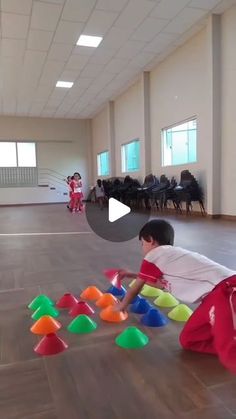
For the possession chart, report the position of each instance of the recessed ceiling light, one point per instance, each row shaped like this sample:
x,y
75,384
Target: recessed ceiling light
x,y
89,41
66,84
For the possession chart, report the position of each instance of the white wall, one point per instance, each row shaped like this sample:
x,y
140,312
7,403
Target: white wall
x,y
128,113
228,171
62,148
100,136
178,91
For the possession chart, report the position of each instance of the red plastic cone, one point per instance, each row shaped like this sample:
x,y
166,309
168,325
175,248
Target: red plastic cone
x,y
113,277
66,301
81,308
50,345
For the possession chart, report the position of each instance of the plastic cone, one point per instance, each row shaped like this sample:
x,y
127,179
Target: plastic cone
x,y
166,300
45,325
81,308
181,313
112,275
91,293
132,338
109,315
45,310
132,283
82,324
66,301
154,318
135,299
142,306
117,292
148,291
38,301
51,344
106,300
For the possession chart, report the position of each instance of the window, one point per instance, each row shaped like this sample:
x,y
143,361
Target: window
x,y
130,156
179,144
14,154
103,163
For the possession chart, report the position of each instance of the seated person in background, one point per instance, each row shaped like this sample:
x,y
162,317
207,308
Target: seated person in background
x,y
192,278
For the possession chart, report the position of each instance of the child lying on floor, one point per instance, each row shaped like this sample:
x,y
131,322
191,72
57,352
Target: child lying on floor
x,y
192,278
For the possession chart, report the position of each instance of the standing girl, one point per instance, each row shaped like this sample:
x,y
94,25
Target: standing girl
x,y
77,195
99,192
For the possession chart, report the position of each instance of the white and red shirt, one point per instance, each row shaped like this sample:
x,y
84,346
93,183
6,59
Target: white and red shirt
x,y
76,186
188,275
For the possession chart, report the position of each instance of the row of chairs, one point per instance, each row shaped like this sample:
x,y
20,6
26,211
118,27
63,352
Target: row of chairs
x,y
158,193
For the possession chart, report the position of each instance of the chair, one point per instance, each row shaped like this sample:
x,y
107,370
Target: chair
x,y
157,193
144,192
188,191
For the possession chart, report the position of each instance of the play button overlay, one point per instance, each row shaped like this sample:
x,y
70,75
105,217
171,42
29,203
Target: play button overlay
x,y
117,210
116,222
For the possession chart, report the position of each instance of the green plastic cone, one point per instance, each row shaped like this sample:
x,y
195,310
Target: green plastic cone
x,y
45,310
166,300
38,301
132,338
181,313
149,291
82,324
132,283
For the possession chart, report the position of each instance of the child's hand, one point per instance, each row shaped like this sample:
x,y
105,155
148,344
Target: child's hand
x,y
118,307
122,274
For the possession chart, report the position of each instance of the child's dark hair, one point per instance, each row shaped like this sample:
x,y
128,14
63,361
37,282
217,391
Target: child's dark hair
x,y
99,183
159,230
77,173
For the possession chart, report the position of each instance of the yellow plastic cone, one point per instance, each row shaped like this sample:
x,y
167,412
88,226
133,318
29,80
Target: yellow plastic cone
x,y
166,300
149,291
181,313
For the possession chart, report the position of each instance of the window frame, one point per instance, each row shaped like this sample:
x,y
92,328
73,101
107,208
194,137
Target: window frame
x,y
124,166
16,150
163,140
99,165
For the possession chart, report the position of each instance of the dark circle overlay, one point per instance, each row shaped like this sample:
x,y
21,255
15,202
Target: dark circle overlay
x,y
124,229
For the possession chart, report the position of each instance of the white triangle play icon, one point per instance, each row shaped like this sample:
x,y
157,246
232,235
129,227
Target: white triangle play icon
x,y
116,210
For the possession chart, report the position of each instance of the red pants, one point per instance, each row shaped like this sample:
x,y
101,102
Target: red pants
x,y
212,327
76,200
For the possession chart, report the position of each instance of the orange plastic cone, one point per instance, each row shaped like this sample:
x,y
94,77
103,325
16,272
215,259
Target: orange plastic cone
x,y
106,300
109,315
45,325
91,293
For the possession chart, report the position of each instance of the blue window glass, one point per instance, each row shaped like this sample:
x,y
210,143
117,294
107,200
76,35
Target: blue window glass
x,y
179,144
130,156
103,163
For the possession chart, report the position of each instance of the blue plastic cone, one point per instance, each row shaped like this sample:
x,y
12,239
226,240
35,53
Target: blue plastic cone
x,y
142,306
154,318
136,299
117,292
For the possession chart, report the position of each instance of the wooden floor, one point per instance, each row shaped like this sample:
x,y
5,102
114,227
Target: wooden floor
x,y
95,379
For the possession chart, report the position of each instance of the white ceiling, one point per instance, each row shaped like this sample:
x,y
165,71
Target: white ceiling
x,y
38,47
